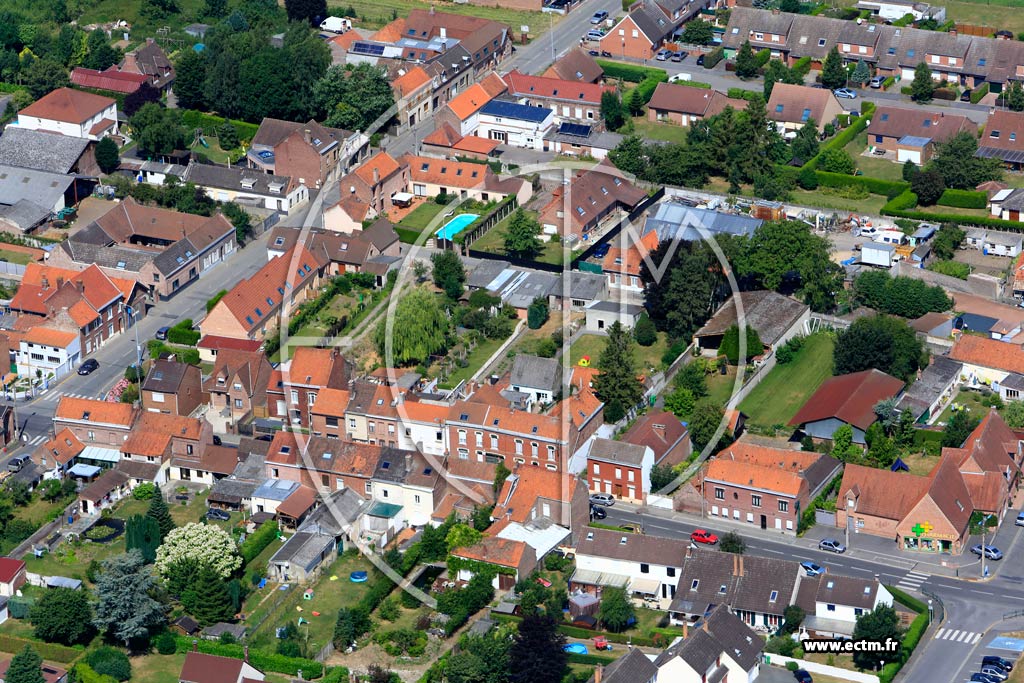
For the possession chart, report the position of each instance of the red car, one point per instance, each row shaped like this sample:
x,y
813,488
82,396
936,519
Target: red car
x,y
702,536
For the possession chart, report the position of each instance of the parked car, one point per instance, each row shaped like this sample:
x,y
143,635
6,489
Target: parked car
x,y
966,95
831,545
845,93
991,552
877,81
602,499
700,60
218,514
1020,519
982,678
598,17
802,676
663,55
813,569
18,462
161,334
994,672
602,250
594,34
1002,662
678,56
593,53
597,512
703,536
605,53
88,366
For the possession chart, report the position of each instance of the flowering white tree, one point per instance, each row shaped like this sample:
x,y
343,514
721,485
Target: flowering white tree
x,y
202,544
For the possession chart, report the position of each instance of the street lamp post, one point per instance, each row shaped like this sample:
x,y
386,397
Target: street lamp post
x,y
984,548
130,310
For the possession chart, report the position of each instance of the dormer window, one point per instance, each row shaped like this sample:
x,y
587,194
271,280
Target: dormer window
x,y
693,586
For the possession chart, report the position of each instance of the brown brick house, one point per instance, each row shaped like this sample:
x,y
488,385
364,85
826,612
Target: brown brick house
x,y
664,434
310,153
912,134
792,106
366,193
765,486
237,386
684,105
172,388
95,422
293,388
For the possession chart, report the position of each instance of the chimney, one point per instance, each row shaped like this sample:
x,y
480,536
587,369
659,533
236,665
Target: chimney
x,y
60,282
775,10
80,286
408,462
598,672
952,31
149,41
46,282
306,135
245,653
376,174
741,564
195,645
686,630
735,565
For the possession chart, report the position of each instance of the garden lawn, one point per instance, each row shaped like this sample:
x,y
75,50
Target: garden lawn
x,y
420,217
15,257
215,153
476,358
919,463
720,386
494,243
593,344
787,387
817,199
873,166
328,597
968,399
377,13
653,130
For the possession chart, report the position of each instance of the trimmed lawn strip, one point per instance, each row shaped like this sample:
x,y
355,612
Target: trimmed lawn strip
x,y
476,358
494,243
653,130
593,344
787,387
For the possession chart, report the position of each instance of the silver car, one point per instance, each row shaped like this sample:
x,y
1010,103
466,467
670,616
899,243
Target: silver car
x,y
605,499
832,545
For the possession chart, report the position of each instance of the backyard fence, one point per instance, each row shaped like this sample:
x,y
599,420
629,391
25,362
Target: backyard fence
x,y
502,211
11,269
282,595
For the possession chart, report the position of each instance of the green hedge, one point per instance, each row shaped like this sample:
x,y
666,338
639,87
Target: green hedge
x,y
589,659
261,659
585,633
646,89
192,119
409,236
802,65
895,210
887,188
257,542
740,93
631,72
763,56
979,93
888,83
900,203
695,84
907,600
844,137
711,59
183,334
964,199
51,651
944,94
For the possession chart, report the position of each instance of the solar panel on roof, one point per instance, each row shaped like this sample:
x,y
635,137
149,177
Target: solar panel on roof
x,y
367,49
576,129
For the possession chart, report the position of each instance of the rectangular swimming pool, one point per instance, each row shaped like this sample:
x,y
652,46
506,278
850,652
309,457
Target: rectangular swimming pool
x,y
456,225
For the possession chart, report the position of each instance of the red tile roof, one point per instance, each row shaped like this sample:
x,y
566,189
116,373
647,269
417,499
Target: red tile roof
x,y
520,492
112,79
555,88
746,474
410,81
203,668
471,100
48,336
67,105
988,353
62,447
104,412
298,503
498,551
211,341
9,569
476,144
850,398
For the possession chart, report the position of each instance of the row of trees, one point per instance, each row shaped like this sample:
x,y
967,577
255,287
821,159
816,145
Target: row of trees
x,y
902,296
241,75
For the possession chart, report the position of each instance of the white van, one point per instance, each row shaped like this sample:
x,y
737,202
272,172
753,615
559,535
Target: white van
x,y
336,24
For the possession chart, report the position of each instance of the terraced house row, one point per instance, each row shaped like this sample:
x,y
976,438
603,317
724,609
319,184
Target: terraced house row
x,y
890,50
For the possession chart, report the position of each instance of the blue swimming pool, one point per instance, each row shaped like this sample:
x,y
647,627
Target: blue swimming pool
x,y
575,648
456,225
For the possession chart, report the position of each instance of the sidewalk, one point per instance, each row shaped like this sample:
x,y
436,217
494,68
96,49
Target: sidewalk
x,y
861,546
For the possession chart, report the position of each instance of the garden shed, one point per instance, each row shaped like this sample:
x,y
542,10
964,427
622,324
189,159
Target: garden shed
x,y
583,604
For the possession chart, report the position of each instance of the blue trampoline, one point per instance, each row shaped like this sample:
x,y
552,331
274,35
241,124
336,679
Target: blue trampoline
x,y
358,577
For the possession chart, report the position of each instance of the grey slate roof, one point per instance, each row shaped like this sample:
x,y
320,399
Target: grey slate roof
x,y
42,188
208,175
303,549
115,257
633,667
606,306
40,151
481,272
607,450
929,386
535,372
176,256
748,580
769,313
165,376
536,285
1013,381
621,545
585,286
672,220
339,509
25,213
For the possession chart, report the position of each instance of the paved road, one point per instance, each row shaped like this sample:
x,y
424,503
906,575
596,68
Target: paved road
x,y
35,417
974,609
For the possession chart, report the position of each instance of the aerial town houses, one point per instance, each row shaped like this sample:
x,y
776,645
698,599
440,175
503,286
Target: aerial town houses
x,y
341,455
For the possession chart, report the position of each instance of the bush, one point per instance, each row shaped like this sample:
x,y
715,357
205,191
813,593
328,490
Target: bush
x,y
144,491
963,199
904,200
711,59
808,179
257,542
944,94
788,351
873,185
978,93
165,644
212,301
109,661
183,334
952,268
632,73
888,83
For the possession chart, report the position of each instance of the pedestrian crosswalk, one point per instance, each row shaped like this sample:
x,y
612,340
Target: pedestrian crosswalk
x,y
36,440
912,581
958,636
54,396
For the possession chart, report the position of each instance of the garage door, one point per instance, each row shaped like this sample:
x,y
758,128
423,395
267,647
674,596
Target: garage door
x,y
904,155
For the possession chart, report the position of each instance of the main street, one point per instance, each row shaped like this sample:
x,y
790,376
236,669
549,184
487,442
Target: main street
x,y
973,609
35,416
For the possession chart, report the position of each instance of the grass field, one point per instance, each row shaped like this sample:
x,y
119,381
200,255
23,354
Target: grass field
x,y
376,13
873,166
787,387
15,257
872,204
593,344
494,243
476,358
659,131
328,597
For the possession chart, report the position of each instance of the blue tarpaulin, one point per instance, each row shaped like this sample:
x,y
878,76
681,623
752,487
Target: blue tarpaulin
x,y
899,466
84,471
